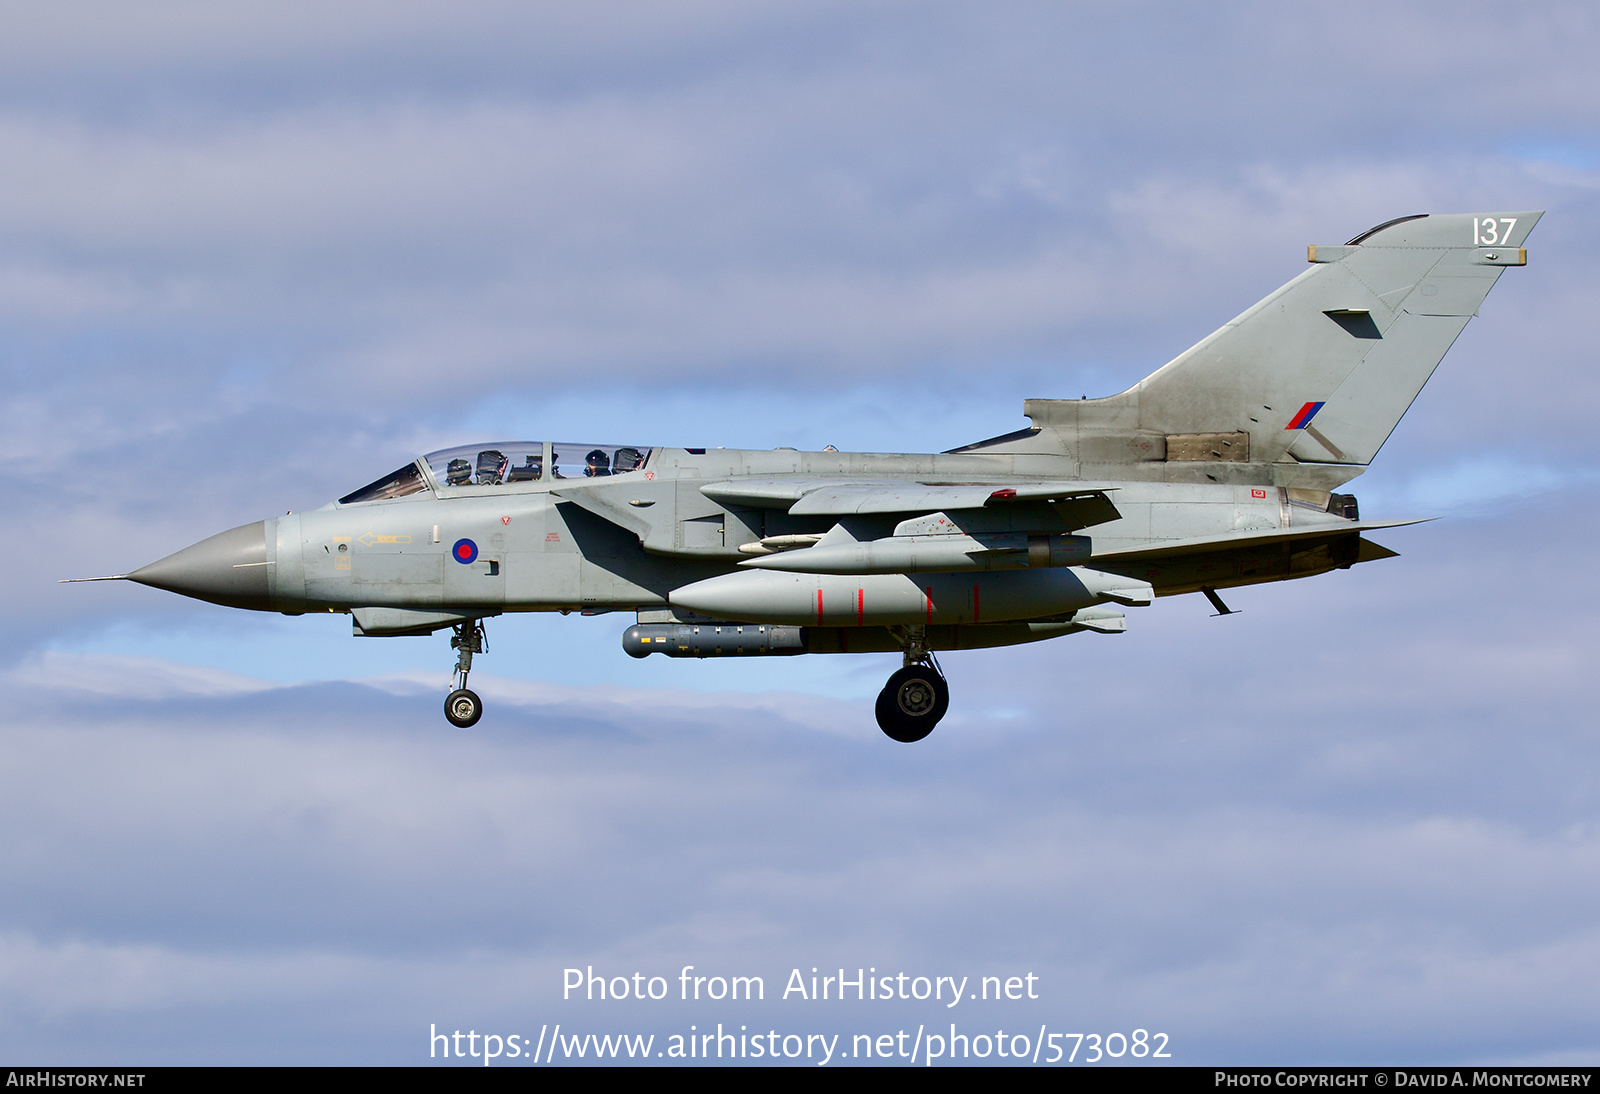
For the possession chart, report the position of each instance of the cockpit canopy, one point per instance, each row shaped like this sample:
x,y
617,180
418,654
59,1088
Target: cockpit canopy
x,y
487,464
502,464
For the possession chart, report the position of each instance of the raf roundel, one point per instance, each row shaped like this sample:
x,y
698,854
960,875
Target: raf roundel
x,y
465,551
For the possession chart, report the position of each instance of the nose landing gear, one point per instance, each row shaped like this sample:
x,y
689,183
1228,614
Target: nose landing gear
x,y
916,697
463,708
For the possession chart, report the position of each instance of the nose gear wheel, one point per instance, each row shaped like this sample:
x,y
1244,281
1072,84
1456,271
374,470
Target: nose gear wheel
x,y
463,708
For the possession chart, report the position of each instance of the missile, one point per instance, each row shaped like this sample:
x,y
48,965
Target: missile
x,y
711,640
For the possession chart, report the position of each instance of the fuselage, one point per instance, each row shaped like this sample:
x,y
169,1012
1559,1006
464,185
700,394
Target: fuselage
x,y
628,540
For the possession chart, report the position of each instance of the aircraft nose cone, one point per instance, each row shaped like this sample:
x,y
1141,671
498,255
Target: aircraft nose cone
x,y
229,568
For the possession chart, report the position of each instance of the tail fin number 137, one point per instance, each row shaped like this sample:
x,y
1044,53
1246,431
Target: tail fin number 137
x,y
1487,232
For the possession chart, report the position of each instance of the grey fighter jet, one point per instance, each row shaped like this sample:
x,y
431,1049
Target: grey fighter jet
x,y
1221,468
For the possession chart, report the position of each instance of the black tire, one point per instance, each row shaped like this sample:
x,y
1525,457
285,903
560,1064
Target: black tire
x,y
912,702
463,708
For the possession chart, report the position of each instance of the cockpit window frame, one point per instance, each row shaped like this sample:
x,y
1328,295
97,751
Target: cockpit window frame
x,y
424,480
471,453
587,462
542,484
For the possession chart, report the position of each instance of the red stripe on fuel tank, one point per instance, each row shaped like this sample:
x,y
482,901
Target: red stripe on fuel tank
x,y
861,607
819,607
929,591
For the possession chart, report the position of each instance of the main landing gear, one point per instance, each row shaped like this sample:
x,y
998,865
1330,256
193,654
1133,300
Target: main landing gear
x,y
916,697
463,708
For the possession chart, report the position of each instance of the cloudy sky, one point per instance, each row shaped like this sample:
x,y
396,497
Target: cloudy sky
x,y
253,256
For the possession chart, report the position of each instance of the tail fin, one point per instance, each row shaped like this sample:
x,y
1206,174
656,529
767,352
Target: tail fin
x,y
1321,371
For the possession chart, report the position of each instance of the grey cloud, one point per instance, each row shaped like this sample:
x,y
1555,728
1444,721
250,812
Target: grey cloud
x,y
539,234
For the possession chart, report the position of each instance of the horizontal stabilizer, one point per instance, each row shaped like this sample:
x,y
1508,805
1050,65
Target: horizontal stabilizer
x,y
1248,539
